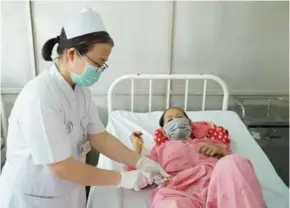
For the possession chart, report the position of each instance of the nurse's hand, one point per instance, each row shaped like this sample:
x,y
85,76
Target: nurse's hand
x,y
135,179
149,166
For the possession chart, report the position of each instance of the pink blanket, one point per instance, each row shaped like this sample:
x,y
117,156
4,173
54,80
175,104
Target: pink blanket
x,y
200,181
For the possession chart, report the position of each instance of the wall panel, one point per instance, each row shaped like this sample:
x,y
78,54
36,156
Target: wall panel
x,y
245,43
141,31
17,60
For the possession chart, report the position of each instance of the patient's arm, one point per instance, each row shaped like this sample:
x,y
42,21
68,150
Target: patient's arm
x,y
214,148
137,143
226,149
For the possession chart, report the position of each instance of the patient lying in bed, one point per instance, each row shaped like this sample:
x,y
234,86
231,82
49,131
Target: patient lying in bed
x,y
204,172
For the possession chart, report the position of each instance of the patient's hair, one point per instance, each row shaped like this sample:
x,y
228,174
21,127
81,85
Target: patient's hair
x,y
81,43
161,120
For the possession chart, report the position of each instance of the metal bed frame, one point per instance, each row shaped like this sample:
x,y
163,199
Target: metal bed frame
x,y
169,78
240,101
4,128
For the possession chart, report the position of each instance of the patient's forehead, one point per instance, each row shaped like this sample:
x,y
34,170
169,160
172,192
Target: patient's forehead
x,y
173,113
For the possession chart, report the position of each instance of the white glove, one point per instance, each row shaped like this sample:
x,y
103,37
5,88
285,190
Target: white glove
x,y
149,166
135,179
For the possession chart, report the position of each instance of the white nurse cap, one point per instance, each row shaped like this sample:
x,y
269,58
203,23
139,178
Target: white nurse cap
x,y
85,22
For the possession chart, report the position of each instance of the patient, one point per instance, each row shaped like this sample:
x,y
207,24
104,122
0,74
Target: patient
x,y
205,174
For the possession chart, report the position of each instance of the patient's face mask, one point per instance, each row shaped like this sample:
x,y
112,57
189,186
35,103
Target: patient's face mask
x,y
178,129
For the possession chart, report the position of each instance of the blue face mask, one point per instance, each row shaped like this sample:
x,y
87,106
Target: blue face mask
x,y
88,77
178,129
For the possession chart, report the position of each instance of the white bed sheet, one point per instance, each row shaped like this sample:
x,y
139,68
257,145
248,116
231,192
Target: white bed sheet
x,y
122,123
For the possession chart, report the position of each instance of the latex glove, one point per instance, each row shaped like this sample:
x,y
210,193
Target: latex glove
x,y
135,179
150,166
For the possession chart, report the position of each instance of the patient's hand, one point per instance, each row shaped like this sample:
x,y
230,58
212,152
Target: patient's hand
x,y
137,141
212,150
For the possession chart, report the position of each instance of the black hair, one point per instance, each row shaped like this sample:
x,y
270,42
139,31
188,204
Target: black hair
x,y
81,43
161,120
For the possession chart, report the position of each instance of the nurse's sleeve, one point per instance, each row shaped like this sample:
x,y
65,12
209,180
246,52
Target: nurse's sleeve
x,y
95,125
44,131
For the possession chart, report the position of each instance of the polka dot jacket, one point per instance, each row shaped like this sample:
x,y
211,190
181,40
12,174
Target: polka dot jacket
x,y
199,131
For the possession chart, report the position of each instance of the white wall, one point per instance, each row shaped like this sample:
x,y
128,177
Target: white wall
x,y
141,31
17,65
245,43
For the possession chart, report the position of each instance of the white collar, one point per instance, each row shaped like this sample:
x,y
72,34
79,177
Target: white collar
x,y
63,84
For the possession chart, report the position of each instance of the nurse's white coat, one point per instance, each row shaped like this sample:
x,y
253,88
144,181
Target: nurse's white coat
x,y
48,124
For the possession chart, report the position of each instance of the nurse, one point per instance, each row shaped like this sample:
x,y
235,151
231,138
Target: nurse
x,y
54,123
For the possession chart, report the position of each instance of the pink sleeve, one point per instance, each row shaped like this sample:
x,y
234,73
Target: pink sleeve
x,y
200,129
152,155
128,168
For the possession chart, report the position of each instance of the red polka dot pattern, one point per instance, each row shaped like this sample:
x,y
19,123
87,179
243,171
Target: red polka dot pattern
x,y
215,133
219,133
159,137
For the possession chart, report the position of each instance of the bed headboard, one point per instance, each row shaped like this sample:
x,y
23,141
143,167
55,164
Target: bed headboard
x,y
169,77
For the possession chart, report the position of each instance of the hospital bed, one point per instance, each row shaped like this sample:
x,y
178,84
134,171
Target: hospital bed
x,y
121,123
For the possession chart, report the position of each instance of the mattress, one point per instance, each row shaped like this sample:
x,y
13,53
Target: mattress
x,y
122,123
